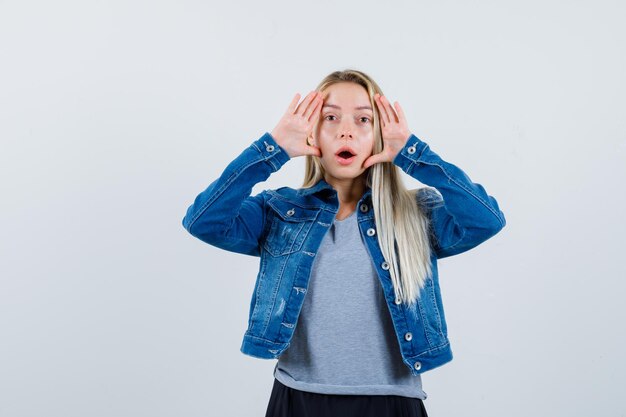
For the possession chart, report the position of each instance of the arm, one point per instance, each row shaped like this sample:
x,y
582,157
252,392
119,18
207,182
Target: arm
x,y
224,214
466,216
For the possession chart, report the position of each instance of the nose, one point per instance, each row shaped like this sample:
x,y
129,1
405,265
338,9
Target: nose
x,y
345,131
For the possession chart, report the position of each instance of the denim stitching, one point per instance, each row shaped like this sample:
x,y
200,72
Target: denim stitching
x,y
455,243
267,341
446,343
232,178
262,268
451,178
418,159
280,274
424,319
295,203
436,307
219,192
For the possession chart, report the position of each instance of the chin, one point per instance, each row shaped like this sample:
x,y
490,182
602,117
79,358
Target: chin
x,y
345,174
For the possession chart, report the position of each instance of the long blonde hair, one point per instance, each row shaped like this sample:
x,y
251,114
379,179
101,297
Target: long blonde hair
x,y
403,228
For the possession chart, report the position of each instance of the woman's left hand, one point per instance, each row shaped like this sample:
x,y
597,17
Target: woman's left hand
x,y
394,130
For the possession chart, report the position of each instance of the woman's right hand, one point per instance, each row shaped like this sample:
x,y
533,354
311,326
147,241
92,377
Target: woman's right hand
x,y
293,129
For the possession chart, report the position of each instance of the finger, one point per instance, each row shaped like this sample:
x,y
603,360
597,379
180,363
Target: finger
x,y
374,159
309,104
313,150
292,106
400,112
391,117
302,108
318,110
313,108
382,110
390,111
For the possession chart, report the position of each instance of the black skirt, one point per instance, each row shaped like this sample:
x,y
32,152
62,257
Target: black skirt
x,y
288,402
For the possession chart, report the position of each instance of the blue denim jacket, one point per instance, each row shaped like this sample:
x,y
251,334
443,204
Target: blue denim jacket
x,y
285,227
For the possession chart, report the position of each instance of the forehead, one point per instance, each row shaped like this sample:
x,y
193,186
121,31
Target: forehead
x,y
346,96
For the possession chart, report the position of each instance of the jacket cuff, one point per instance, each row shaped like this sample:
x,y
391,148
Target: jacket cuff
x,y
410,153
271,151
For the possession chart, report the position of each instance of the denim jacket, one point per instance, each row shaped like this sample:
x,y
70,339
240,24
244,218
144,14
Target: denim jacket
x,y
285,227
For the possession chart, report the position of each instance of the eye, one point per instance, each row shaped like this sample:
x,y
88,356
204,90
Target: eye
x,y
366,118
330,115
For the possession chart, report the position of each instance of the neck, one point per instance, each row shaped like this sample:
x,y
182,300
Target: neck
x,y
349,191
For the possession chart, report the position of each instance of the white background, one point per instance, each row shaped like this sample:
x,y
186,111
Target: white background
x,y
115,115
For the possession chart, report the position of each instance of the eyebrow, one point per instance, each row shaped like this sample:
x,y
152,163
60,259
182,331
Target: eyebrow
x,y
356,108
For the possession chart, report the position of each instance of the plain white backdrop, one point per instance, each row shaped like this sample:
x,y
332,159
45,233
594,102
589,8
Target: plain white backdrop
x,y
115,115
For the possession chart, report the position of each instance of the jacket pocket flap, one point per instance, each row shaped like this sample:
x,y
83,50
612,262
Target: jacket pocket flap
x,y
291,212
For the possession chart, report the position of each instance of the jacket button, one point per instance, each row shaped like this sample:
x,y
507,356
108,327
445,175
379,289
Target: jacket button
x,y
418,366
398,300
371,232
408,336
364,207
411,149
385,265
291,212
269,148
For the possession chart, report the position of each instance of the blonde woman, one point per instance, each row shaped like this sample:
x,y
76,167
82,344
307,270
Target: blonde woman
x,y
347,296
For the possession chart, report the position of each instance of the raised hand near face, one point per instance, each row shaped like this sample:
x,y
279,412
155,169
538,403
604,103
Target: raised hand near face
x,y
293,129
394,129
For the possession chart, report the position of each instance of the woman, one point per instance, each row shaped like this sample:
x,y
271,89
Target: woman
x,y
355,241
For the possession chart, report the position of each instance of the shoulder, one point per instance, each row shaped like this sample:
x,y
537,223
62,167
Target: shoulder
x,y
293,196
285,193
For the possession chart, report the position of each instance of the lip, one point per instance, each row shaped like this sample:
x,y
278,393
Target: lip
x,y
345,161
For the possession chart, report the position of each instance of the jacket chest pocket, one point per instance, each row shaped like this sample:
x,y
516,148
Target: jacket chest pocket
x,y
290,225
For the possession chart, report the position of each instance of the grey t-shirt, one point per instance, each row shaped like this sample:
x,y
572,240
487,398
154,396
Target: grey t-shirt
x,y
345,316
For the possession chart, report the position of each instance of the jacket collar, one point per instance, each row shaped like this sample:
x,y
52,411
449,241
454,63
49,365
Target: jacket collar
x,y
323,187
317,188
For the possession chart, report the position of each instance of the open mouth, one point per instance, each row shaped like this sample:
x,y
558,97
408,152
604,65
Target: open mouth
x,y
345,156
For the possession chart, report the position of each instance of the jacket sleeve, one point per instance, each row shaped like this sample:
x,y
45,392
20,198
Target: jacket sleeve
x,y
464,215
224,214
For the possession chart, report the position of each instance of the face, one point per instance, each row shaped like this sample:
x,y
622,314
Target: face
x,y
346,123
